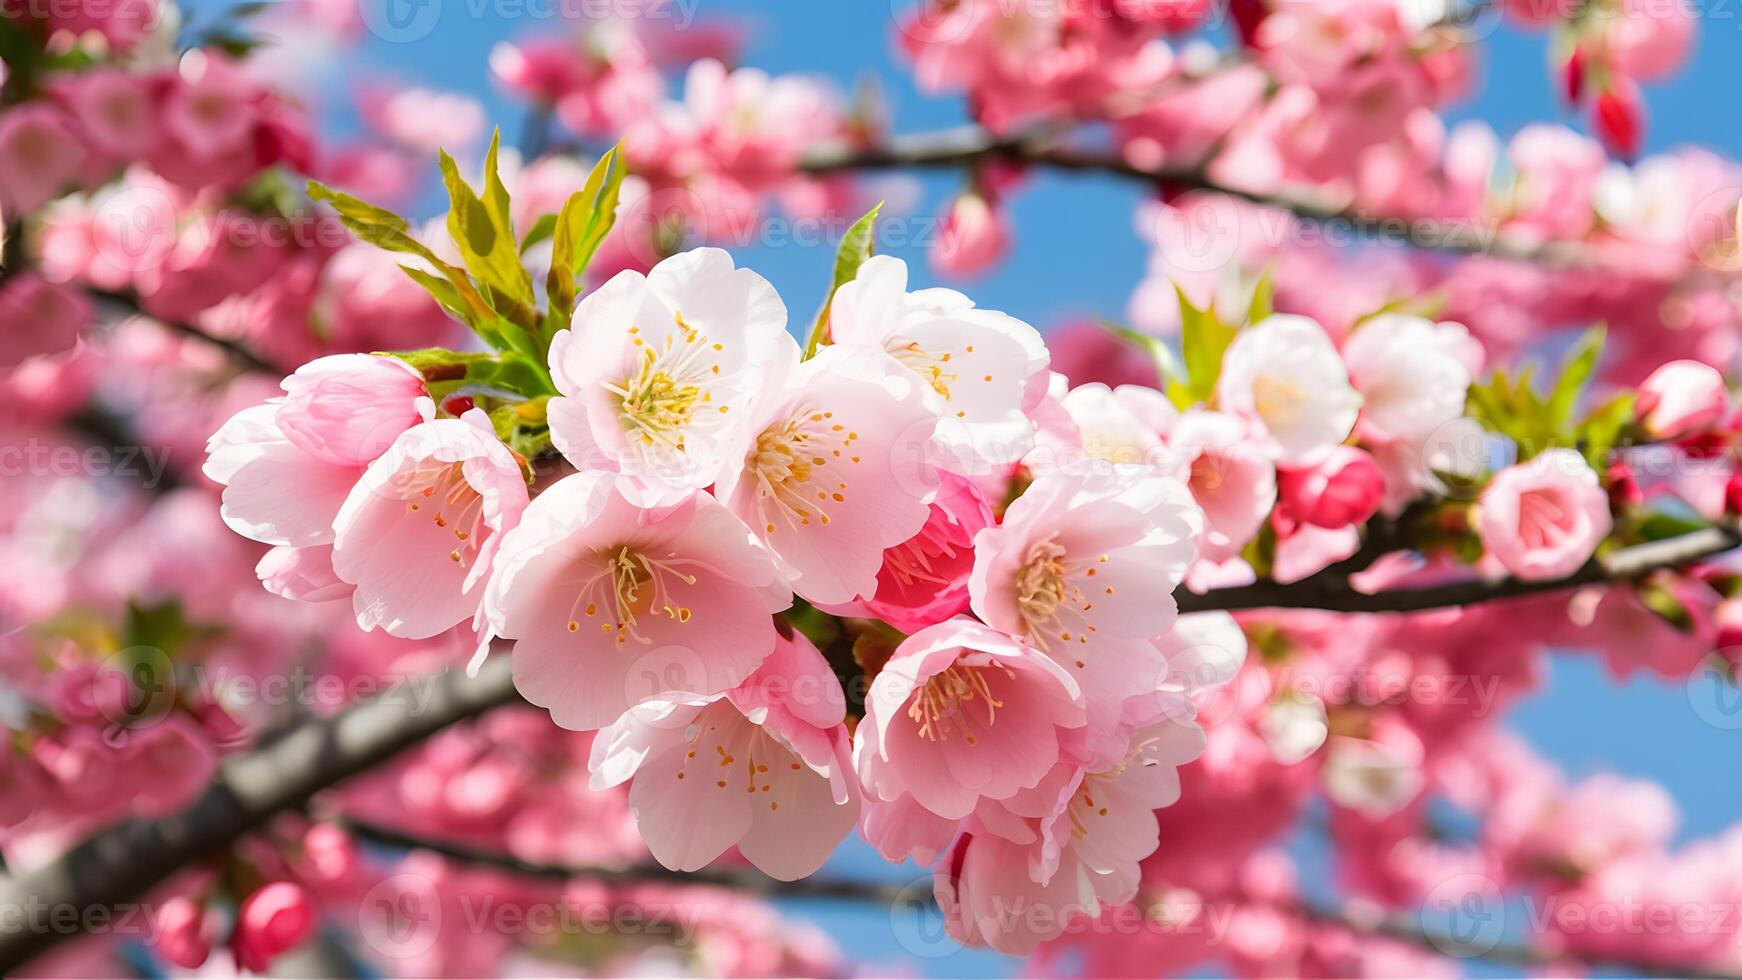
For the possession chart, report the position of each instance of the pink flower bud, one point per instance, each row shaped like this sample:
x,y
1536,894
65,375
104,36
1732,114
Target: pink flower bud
x,y
348,408
1344,488
975,235
271,921
184,933
1680,397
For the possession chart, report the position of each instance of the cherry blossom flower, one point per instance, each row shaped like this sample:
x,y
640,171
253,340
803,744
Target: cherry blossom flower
x,y
764,767
418,533
611,604
1232,478
1083,568
924,580
1411,373
836,471
656,365
962,713
1681,397
982,369
1017,885
1285,375
1544,518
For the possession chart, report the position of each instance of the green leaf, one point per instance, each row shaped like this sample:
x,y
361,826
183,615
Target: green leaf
x,y
485,238
1655,597
1203,340
585,219
1661,526
857,245
163,626
1605,426
1579,368
541,230
384,229
1263,298
1167,366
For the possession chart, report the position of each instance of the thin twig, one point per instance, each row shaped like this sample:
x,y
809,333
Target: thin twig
x,y
969,145
238,351
1336,594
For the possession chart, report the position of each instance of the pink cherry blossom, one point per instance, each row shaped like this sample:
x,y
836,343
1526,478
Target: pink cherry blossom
x,y
1083,568
1411,373
1345,487
275,491
1232,478
422,119
765,767
1285,375
272,921
975,235
185,932
1679,398
1544,518
114,111
1649,39
611,604
1076,857
1097,429
982,369
924,579
836,471
41,318
348,408
656,366
39,156
416,536
962,713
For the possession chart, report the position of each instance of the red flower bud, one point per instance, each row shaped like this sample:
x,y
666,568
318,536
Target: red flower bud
x,y
1619,116
1344,488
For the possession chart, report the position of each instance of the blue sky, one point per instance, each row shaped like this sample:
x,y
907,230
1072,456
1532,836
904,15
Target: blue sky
x,y
1077,254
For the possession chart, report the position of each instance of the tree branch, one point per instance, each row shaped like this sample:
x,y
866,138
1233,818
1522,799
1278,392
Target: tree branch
x,y
127,860
1334,592
970,145
238,351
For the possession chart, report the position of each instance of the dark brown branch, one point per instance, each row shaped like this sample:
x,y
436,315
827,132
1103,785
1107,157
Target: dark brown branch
x,y
127,860
238,351
1336,594
970,145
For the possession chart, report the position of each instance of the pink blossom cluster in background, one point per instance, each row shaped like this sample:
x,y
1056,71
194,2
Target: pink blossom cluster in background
x,y
1015,604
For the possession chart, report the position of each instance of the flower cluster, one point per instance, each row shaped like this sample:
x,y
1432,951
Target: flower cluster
x,y
917,573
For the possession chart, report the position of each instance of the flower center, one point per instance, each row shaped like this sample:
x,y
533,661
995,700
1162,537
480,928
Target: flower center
x,y
1278,400
940,706
914,560
758,746
630,585
440,490
1047,595
659,401
1541,519
934,368
800,467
